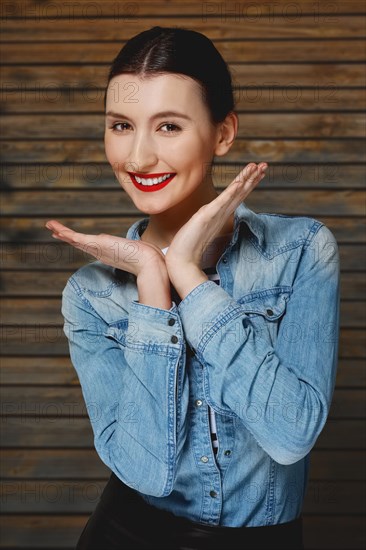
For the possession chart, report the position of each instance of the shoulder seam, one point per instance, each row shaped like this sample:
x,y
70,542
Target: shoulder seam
x,y
312,232
78,291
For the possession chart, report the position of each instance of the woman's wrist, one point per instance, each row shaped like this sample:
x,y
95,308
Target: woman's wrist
x,y
153,286
185,278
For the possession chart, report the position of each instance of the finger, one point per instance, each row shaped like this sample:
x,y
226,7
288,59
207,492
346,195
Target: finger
x,y
55,226
248,171
59,230
68,235
242,186
244,179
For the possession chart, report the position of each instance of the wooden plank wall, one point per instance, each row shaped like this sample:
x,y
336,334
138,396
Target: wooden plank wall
x,y
300,85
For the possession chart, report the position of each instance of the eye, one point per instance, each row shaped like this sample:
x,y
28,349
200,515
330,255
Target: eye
x,y
174,126
114,126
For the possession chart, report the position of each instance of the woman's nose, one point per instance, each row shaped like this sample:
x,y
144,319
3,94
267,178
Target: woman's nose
x,y
143,154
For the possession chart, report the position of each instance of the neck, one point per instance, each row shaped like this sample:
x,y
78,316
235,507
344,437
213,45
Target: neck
x,y
163,226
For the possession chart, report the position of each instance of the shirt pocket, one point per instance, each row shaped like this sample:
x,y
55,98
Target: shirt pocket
x,y
265,310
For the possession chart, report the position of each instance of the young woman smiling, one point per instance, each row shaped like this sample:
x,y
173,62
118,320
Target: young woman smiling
x,y
206,340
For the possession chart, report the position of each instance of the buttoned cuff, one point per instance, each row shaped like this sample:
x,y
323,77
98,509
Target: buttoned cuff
x,y
206,309
149,327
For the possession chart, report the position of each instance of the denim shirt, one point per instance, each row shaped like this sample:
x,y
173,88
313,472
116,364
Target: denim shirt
x,y
261,349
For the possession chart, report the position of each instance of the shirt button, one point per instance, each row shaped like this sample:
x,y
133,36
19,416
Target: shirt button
x,y
204,458
174,339
171,322
227,453
198,402
213,494
269,312
224,260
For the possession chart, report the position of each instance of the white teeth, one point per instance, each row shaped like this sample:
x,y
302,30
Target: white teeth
x,y
152,181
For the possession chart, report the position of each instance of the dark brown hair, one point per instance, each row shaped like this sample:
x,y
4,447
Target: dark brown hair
x,y
177,50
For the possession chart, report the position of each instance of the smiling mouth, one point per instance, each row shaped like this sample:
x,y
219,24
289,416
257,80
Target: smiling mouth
x,y
153,183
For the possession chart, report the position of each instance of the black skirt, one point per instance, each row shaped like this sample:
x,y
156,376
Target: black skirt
x,y
122,520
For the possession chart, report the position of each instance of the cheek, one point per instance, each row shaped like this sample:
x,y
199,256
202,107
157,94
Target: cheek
x,y
186,154
113,152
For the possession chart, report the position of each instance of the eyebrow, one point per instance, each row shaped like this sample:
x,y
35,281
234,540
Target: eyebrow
x,y
157,115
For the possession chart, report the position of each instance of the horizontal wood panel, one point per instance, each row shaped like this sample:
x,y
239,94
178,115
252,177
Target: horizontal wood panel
x,y
91,176
77,433
56,255
353,286
270,75
120,29
298,74
241,51
54,531
346,202
242,151
55,371
265,126
48,9
24,311
48,433
63,464
345,229
24,99
65,496
67,402
42,531
82,464
48,340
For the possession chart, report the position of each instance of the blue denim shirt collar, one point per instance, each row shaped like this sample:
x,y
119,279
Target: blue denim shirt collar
x,y
242,214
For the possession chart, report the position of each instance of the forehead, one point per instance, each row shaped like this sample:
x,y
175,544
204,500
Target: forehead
x,y
154,92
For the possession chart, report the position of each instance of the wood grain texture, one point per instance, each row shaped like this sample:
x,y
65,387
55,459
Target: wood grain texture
x,y
243,151
269,75
299,86
269,126
48,9
95,175
220,27
240,51
21,98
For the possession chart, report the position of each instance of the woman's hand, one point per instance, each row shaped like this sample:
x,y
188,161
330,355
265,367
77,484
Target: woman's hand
x,y
190,242
126,254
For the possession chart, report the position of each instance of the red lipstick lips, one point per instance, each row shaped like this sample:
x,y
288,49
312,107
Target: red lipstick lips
x,y
150,188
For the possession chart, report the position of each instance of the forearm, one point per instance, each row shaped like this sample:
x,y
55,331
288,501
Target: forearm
x,y
154,287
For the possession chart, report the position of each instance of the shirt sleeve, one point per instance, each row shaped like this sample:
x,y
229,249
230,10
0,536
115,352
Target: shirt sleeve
x,y
134,387
280,388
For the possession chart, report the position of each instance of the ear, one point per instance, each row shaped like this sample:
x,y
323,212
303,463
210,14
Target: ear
x,y
226,134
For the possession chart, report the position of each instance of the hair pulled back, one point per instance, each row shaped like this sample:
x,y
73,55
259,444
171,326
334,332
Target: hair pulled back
x,y
179,50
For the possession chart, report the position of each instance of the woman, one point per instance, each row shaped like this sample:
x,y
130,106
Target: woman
x,y
206,340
